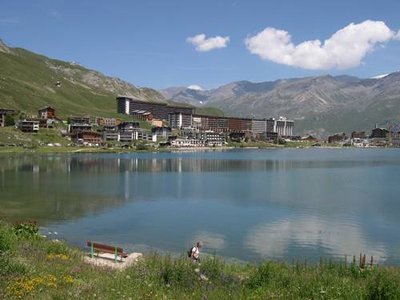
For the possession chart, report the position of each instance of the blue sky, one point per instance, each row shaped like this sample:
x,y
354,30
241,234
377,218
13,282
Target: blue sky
x,y
157,43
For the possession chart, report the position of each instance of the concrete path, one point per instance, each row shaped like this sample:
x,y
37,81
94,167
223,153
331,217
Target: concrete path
x,y
107,260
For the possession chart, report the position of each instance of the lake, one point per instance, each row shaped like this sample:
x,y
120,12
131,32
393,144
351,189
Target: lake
x,y
245,205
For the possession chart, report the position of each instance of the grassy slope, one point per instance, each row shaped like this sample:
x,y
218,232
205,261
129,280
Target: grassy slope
x,y
32,267
27,83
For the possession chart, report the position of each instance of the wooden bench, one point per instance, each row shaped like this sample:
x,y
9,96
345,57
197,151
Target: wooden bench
x,y
96,248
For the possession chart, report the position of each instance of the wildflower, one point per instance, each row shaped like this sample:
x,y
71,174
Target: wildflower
x,y
57,256
68,279
25,286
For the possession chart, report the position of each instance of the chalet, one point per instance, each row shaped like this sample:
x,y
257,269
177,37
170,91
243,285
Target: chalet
x,y
107,121
164,132
186,143
110,133
128,126
337,138
42,122
88,138
236,136
78,127
47,112
156,123
358,135
396,142
210,138
79,120
29,126
127,133
379,133
147,136
360,142
128,137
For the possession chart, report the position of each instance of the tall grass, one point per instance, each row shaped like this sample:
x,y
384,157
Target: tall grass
x,y
32,267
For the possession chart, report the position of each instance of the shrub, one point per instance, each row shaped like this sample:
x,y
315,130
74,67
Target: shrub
x,y
7,238
216,270
261,276
56,247
383,286
26,229
177,272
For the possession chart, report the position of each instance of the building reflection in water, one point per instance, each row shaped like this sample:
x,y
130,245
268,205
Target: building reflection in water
x,y
324,206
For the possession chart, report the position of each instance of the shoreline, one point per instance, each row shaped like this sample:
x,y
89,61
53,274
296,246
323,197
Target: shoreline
x,y
72,150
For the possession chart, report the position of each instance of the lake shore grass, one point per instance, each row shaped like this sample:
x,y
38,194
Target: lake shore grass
x,y
33,267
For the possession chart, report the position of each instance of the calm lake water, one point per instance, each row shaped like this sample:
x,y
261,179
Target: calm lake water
x,y
244,204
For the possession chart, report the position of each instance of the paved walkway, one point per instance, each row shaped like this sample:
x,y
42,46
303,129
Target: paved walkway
x,y
107,260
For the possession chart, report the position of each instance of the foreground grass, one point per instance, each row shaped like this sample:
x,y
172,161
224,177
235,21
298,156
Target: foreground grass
x,y
32,267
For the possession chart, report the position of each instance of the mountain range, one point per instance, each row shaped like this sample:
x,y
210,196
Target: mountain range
x,y
319,105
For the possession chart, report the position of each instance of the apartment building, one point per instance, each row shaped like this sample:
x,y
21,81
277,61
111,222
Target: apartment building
x,y
127,105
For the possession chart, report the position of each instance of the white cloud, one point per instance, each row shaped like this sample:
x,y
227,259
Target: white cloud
x,y
195,87
204,44
344,49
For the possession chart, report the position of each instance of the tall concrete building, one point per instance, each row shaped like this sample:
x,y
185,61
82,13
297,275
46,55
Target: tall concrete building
x,y
126,105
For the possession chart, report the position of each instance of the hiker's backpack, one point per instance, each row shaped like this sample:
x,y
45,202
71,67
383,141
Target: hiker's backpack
x,y
190,251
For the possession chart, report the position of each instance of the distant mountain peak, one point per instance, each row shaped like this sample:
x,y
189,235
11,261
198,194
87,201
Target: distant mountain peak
x,y
380,76
195,87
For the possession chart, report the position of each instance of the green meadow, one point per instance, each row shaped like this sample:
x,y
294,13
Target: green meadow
x,y
33,267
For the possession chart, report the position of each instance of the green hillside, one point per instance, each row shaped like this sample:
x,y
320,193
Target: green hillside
x,y
28,81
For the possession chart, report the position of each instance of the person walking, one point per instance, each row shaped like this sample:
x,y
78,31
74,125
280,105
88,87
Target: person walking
x,y
194,252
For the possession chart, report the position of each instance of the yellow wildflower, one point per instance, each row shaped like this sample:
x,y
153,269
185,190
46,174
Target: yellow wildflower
x,y
68,279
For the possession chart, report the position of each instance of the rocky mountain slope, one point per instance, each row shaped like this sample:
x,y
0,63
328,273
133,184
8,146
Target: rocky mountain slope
x,y
319,105
29,81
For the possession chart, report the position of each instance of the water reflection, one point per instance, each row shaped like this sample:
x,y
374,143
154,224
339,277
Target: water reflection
x,y
244,204
111,164
214,241
334,237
